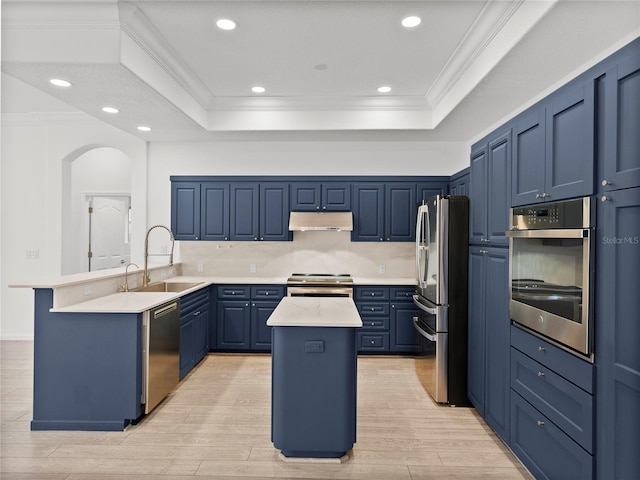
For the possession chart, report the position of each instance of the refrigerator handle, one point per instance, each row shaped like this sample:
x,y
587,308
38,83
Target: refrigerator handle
x,y
421,331
422,246
422,306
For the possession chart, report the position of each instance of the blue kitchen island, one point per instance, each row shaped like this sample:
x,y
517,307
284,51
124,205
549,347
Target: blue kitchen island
x,y
314,370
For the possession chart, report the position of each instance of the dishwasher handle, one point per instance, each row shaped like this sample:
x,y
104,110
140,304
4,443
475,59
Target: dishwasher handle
x,y
161,312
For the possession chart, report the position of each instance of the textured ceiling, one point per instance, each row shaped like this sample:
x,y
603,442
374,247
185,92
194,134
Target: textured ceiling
x,y
166,65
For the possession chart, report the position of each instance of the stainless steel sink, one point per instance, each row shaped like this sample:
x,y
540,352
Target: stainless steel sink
x,y
167,287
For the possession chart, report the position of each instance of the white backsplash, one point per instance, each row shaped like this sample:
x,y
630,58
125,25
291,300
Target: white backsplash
x,y
309,252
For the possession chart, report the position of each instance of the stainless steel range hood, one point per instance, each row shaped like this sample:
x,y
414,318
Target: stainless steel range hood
x,y
336,221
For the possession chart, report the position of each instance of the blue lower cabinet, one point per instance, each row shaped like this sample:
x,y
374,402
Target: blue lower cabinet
x,y
261,310
403,333
242,314
234,325
194,329
187,348
372,342
546,451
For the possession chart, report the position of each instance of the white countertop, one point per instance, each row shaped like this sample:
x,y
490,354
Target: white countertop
x,y
315,312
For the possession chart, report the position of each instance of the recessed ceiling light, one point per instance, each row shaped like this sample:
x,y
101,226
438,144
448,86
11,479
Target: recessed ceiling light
x,y
58,82
144,128
110,110
384,89
258,89
411,22
225,24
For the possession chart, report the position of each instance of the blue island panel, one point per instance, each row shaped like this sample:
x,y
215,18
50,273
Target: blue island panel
x,y
313,391
87,368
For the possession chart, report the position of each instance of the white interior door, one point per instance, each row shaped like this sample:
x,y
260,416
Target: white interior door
x,y
109,232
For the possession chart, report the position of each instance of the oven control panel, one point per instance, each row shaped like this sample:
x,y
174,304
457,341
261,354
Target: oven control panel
x,y
548,216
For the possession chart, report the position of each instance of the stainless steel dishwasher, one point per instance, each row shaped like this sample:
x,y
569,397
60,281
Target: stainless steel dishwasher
x,y
160,353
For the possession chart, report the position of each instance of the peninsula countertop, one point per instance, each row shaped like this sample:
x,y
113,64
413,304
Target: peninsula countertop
x,y
315,312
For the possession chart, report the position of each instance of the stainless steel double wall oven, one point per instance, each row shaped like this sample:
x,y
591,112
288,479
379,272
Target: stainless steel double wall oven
x,y
551,275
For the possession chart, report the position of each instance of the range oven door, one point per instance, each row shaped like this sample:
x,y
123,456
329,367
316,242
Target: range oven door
x,y
431,359
550,278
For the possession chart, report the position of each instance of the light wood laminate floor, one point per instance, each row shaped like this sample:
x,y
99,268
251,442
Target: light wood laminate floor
x,y
216,424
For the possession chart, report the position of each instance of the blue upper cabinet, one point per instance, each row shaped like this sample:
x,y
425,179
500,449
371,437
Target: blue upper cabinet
x,y
400,212
259,211
527,167
478,198
498,188
274,212
368,212
185,210
214,208
384,212
245,218
490,190
621,139
312,196
426,190
459,183
553,151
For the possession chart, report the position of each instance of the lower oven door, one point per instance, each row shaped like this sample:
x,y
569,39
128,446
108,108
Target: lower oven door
x,y
431,360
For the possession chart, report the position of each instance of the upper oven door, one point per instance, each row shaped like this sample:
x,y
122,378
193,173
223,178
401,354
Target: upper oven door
x,y
550,281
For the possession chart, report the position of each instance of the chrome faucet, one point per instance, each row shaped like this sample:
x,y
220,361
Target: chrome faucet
x,y
125,287
145,277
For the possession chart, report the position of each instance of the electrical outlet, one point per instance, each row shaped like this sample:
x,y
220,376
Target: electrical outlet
x,y
382,269
88,290
252,268
201,267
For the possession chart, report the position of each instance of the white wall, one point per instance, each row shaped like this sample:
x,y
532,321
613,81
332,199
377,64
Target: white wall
x,y
37,151
103,171
324,252
381,158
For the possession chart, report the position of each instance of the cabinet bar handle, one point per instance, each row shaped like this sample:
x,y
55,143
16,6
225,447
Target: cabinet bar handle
x,y
540,423
541,374
541,349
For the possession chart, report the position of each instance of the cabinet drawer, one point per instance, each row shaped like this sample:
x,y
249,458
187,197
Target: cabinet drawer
x,y
194,300
192,315
373,308
375,323
369,293
373,342
563,363
234,291
543,448
402,293
267,292
568,406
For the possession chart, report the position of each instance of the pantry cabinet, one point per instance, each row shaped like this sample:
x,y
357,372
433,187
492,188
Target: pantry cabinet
x,y
621,125
489,323
490,190
617,334
553,147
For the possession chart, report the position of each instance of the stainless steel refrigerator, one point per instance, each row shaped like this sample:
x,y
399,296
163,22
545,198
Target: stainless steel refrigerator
x,y
442,252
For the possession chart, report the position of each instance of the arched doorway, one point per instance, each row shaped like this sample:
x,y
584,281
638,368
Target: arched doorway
x,y
96,215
